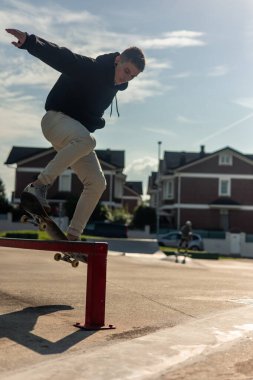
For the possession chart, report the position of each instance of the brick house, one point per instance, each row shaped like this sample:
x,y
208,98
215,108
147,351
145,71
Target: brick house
x,y
132,195
30,161
213,190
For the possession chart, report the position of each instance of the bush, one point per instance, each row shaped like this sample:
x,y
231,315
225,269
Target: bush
x,y
17,212
119,215
144,216
101,213
4,204
21,235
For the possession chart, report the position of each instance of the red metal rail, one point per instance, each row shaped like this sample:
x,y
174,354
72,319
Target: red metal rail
x,y
96,254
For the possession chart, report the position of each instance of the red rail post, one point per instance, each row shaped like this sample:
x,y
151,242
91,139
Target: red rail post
x,y
96,273
96,290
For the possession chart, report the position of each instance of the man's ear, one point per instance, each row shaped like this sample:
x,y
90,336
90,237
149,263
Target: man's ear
x,y
117,59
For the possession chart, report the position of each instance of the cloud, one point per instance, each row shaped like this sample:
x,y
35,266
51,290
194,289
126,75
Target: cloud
x,y
160,131
246,102
22,120
218,71
185,74
176,39
141,168
22,74
226,128
40,18
185,120
153,63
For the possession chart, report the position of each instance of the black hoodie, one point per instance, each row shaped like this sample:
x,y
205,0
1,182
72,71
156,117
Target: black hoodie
x,y
86,86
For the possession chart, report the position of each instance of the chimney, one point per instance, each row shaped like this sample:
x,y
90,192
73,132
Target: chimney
x,y
182,159
202,151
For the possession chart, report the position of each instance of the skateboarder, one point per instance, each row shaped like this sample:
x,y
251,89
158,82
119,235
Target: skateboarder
x,y
186,234
74,110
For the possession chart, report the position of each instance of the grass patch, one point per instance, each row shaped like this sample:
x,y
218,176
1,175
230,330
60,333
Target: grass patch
x,y
169,251
41,235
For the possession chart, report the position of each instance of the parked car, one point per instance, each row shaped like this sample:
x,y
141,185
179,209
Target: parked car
x,y
172,240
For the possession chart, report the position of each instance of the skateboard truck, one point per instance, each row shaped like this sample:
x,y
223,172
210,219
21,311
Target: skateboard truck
x,y
67,258
35,221
38,216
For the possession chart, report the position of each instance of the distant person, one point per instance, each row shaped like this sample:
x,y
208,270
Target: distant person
x,y
186,236
74,110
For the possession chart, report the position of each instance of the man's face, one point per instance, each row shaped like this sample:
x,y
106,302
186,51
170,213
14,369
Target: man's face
x,y
124,71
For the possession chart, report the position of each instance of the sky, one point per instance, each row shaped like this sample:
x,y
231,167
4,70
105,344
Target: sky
x,y
197,87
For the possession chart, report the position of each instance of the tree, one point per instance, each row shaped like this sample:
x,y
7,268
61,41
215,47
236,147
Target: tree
x,y
100,214
4,203
119,215
144,216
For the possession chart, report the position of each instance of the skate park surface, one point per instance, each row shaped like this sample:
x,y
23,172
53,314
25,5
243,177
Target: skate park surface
x,y
173,321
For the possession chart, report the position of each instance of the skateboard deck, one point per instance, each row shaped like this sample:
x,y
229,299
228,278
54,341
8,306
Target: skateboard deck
x,y
181,252
38,216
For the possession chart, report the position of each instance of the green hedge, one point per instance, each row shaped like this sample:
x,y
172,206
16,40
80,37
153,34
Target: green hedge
x,y
21,235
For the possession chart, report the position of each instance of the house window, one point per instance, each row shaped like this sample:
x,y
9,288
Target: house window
x,y
224,187
118,187
65,181
168,189
226,159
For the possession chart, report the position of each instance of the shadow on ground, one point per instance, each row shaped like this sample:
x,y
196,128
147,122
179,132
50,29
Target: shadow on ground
x,y
17,326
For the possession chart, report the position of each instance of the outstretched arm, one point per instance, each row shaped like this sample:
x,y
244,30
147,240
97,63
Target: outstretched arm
x,y
59,58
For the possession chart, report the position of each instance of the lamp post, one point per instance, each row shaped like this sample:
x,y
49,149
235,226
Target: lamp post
x,y
158,191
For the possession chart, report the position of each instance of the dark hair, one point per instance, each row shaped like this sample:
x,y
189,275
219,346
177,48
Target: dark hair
x,y
134,55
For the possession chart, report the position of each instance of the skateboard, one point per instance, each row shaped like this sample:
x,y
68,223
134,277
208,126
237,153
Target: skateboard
x,y
181,252
38,216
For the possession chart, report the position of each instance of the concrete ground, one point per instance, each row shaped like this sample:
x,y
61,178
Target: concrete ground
x,y
173,321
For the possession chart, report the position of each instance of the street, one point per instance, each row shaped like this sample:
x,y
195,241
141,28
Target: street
x,y
173,321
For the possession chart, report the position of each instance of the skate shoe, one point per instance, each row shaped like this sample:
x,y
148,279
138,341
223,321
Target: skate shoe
x,y
40,192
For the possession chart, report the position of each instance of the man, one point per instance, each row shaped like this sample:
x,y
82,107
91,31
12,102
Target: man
x,y
75,106
186,234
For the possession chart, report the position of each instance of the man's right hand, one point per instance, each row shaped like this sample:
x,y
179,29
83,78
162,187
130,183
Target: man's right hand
x,y
21,36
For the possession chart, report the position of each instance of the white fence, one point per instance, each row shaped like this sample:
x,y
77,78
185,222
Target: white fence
x,y
233,244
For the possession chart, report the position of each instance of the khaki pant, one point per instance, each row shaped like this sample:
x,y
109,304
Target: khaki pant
x,y
75,149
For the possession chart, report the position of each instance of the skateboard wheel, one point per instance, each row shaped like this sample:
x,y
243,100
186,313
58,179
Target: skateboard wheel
x,y
57,257
24,219
43,226
75,263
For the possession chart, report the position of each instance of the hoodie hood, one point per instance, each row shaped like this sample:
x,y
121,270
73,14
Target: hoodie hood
x,y
108,61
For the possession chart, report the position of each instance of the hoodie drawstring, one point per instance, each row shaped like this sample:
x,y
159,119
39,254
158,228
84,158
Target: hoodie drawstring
x,y
117,109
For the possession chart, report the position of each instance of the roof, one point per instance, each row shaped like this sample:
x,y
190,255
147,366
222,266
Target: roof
x,y
175,160
113,157
20,153
224,201
135,186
